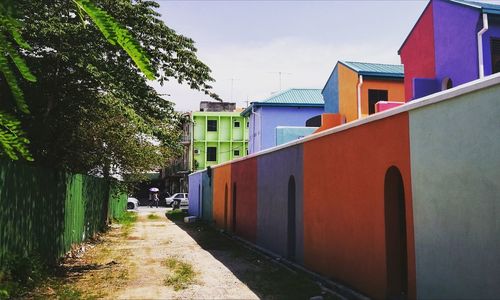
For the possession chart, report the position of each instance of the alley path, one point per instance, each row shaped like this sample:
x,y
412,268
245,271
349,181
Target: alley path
x,y
152,241
134,263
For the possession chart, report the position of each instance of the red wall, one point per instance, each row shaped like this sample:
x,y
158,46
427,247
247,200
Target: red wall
x,y
344,223
244,174
418,53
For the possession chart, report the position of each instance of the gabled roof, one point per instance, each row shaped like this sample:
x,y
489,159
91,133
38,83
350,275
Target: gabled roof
x,y
486,8
375,70
290,97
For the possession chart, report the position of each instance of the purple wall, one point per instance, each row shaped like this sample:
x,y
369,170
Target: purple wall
x,y
194,194
493,31
262,132
455,32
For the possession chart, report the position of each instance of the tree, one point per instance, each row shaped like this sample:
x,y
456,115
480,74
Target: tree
x,y
92,111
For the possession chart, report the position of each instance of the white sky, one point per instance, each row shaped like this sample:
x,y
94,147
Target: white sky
x,y
251,40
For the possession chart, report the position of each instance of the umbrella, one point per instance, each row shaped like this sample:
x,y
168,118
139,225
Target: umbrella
x,y
153,189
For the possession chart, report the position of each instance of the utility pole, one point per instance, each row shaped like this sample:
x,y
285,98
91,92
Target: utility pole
x,y
280,74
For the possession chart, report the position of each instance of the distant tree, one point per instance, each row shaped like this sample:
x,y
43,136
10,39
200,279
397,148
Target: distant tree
x,y
92,110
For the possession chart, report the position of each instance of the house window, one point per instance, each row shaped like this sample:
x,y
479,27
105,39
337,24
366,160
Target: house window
x,y
211,153
247,151
212,125
248,124
495,55
236,152
236,124
375,96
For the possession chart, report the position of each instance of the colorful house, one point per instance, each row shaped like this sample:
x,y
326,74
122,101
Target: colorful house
x,y
378,204
453,42
353,88
292,107
218,137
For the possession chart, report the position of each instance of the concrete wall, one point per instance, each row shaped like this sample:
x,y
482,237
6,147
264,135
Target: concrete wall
x,y
222,207
455,34
195,197
417,53
272,117
331,92
207,198
244,179
395,91
286,134
348,92
273,175
455,164
344,219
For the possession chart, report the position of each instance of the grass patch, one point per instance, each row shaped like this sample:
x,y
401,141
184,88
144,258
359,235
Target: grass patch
x,y
181,274
127,220
176,214
153,217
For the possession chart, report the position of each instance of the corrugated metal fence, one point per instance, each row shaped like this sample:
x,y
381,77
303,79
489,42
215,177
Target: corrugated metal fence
x,y
45,211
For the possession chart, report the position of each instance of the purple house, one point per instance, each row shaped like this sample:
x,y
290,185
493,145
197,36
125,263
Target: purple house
x,y
453,42
293,107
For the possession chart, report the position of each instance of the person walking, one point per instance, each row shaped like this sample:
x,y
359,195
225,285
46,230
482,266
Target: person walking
x,y
156,199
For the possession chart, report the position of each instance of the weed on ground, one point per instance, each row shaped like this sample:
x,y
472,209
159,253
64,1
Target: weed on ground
x,y
127,221
153,217
181,274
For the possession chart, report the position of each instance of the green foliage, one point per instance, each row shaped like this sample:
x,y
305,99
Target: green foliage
x,y
20,273
91,110
12,140
116,34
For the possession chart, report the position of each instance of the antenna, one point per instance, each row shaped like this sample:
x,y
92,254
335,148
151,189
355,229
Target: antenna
x,y
279,75
232,87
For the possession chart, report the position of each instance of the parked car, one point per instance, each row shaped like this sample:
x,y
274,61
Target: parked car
x,y
182,198
132,203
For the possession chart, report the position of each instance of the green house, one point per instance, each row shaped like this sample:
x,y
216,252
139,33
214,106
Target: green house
x,y
218,137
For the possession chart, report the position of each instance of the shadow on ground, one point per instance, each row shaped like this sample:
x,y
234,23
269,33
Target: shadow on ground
x,y
262,274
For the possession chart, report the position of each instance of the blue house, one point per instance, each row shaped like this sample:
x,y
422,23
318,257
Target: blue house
x,y
293,107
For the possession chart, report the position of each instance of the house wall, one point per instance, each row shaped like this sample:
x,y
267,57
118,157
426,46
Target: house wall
x,y
344,231
286,134
255,131
455,171
222,196
348,91
272,117
244,178
395,89
195,197
273,174
331,92
455,34
418,52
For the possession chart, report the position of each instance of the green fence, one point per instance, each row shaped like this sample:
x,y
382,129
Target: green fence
x,y
45,211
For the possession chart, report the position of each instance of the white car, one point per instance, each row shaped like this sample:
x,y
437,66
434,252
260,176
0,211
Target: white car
x,y
182,198
132,203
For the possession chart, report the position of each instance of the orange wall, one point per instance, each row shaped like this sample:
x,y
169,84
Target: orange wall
x,y
348,85
344,225
221,177
396,91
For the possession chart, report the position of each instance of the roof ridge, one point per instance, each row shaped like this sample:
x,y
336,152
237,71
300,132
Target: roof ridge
x,y
371,63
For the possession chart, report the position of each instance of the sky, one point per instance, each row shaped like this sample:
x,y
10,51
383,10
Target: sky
x,y
247,43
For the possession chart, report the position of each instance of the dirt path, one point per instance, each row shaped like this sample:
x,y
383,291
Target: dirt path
x,y
152,242
135,263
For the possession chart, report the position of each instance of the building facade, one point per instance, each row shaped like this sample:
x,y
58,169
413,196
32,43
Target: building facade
x,y
292,107
354,88
453,42
217,137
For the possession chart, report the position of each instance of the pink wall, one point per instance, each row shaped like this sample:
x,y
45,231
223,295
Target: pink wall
x,y
417,52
